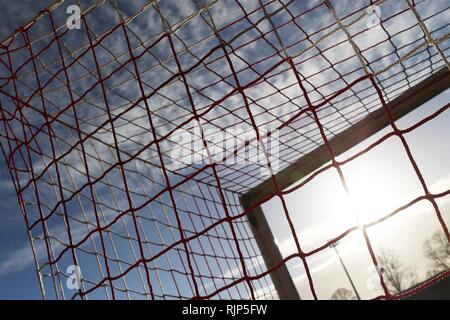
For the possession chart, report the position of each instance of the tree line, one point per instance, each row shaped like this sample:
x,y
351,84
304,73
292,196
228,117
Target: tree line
x,y
398,277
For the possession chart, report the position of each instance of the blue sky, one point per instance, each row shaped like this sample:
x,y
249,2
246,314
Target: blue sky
x,y
21,284
18,279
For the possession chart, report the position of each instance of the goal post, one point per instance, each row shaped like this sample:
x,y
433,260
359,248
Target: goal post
x,y
408,101
252,200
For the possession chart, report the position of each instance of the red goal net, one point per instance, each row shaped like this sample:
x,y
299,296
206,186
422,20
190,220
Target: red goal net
x,y
132,134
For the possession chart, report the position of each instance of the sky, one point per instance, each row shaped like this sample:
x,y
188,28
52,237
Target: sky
x,y
382,180
380,174
21,282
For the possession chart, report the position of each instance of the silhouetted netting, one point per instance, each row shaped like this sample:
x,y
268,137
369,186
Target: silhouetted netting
x,y
89,117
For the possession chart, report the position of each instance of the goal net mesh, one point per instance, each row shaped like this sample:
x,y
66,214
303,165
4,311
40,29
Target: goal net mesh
x,y
95,118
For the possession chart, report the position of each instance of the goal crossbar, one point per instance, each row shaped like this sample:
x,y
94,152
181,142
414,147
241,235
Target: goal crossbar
x,y
405,103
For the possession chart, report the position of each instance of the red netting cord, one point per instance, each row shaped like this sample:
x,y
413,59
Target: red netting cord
x,y
211,252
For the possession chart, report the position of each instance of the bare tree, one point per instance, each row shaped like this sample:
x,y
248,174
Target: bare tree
x,y
396,275
437,250
343,294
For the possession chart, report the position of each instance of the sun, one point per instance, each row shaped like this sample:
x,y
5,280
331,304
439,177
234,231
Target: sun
x,y
365,201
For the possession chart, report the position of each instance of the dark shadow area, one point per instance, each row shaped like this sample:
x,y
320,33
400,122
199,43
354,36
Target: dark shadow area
x,y
437,291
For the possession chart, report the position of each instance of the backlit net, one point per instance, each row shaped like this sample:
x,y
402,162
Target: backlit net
x,y
89,118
